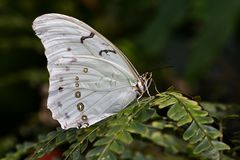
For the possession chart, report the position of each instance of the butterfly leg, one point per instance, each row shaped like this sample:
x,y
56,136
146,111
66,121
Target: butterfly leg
x,y
140,97
155,86
148,87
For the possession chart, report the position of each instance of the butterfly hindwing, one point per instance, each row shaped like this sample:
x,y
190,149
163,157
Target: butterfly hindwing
x,y
85,89
94,106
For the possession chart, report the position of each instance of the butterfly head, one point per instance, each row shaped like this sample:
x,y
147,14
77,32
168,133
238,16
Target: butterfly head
x,y
143,83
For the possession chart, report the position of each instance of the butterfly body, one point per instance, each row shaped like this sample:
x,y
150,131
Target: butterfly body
x,y
90,79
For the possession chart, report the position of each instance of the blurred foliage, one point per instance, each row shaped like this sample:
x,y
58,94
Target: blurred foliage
x,y
190,44
138,127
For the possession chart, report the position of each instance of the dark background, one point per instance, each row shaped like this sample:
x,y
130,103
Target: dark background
x,y
189,44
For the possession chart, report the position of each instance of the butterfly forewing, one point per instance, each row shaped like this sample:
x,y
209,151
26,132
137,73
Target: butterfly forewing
x,y
90,79
61,33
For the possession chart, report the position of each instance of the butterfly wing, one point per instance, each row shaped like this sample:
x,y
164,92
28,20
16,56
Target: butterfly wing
x,y
61,33
87,92
90,79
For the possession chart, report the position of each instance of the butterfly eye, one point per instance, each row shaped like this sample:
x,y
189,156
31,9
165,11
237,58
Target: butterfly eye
x,y
85,70
80,106
76,84
84,118
78,94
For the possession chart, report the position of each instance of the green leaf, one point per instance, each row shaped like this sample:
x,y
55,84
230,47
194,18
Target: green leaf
x,y
167,103
186,119
139,156
202,146
127,154
164,101
199,113
118,121
41,137
108,156
103,141
84,146
125,137
71,135
190,131
146,115
198,136
211,154
113,130
175,94
159,124
40,152
136,127
60,139
95,152
193,105
52,135
117,147
204,120
76,155
25,146
157,138
176,112
161,97
101,131
128,110
212,132
220,145
92,137
172,143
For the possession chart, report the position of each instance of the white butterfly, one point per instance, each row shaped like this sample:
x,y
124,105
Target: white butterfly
x,y
90,78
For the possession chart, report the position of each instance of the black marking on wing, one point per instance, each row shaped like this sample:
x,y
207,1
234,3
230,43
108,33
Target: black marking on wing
x,y
59,104
105,44
61,79
66,115
106,51
79,125
60,89
86,37
67,68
